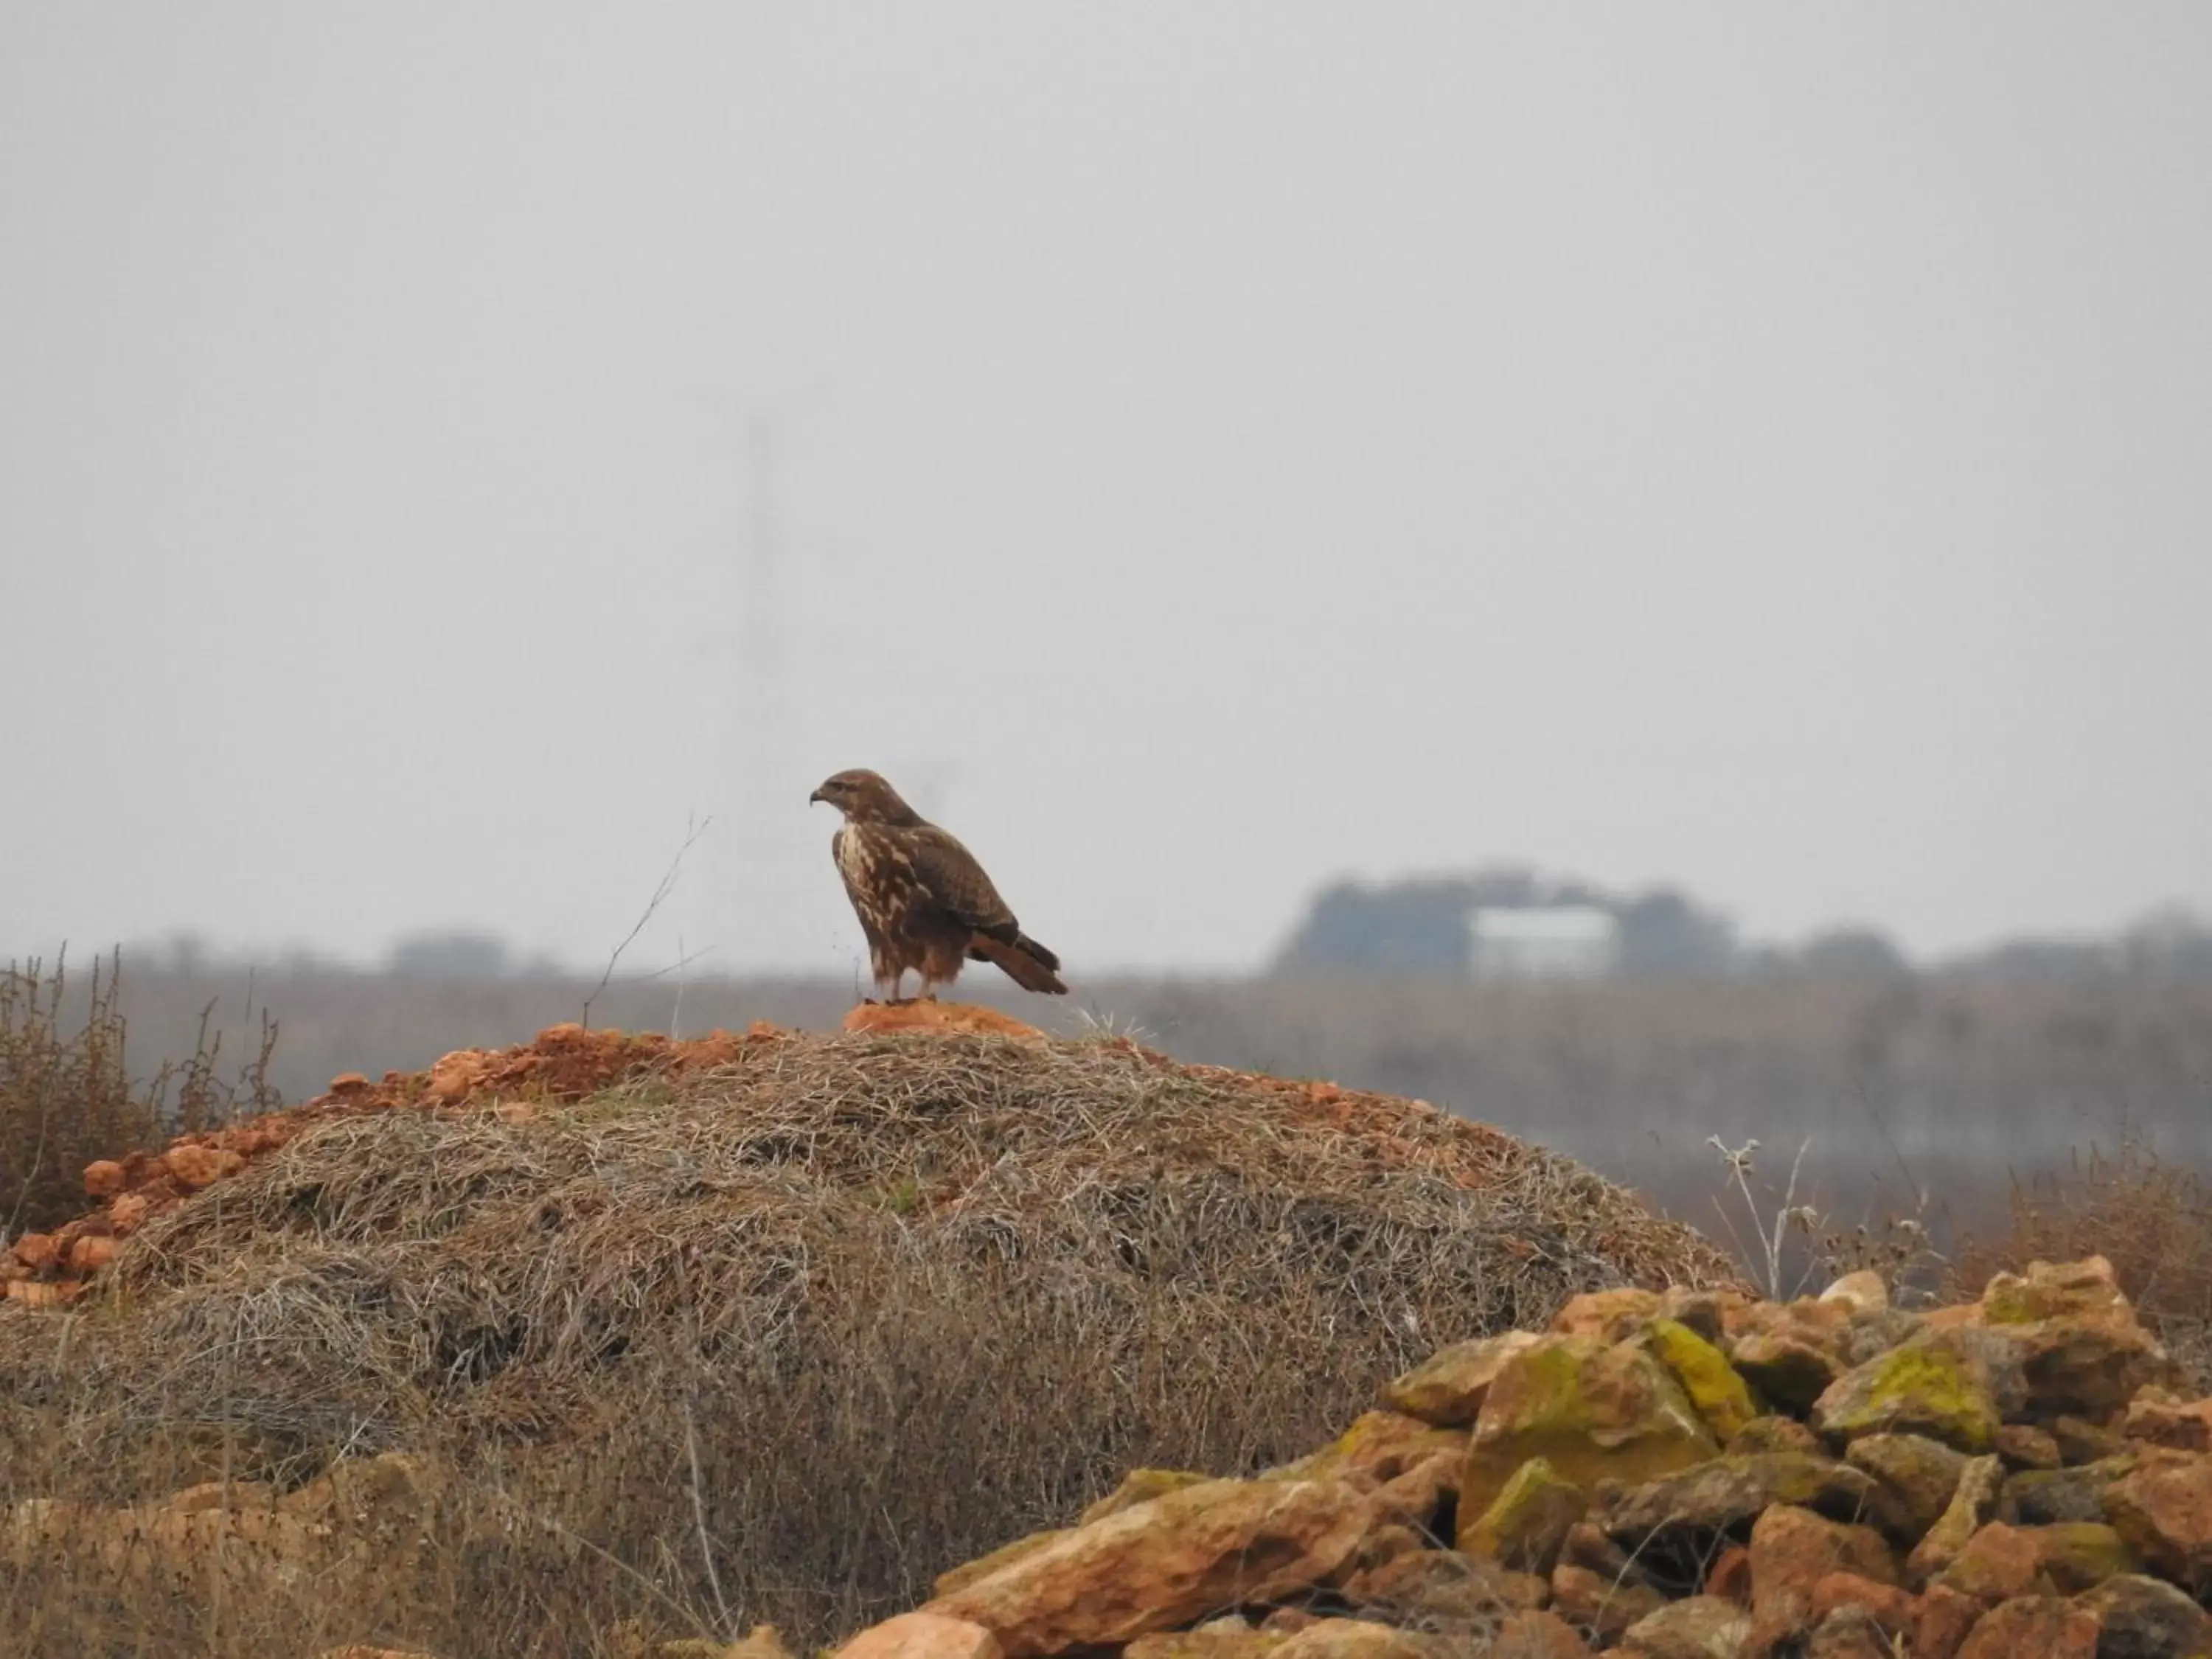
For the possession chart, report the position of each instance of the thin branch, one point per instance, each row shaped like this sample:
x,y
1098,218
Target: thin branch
x,y
660,895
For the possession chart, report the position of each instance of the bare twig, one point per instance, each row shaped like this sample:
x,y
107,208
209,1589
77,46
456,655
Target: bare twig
x,y
692,832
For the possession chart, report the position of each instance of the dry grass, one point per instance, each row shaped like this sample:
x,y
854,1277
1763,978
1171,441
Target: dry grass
x,y
67,1095
781,1341
2151,1218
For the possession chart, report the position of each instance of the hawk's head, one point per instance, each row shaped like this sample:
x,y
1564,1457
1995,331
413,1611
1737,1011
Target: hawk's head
x,y
864,797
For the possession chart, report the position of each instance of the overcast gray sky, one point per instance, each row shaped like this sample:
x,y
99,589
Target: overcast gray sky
x,y
1216,448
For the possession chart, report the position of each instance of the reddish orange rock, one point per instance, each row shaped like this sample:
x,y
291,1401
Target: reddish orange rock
x,y
125,1213
103,1178
1895,1610
348,1083
196,1167
1730,1578
89,1253
939,1016
37,1251
922,1636
1945,1619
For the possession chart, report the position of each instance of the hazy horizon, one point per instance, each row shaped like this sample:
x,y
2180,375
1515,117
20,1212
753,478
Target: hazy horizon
x,y
1213,450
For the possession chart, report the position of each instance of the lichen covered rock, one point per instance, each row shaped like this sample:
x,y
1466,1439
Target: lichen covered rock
x,y
1591,1409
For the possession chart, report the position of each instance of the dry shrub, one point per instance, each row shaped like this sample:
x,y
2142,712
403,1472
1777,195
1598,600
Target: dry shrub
x,y
786,1340
67,1096
2150,1218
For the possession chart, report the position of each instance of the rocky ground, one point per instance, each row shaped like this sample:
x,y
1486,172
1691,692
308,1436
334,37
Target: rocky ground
x,y
1691,1475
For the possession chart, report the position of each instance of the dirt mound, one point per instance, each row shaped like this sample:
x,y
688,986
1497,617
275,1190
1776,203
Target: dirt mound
x,y
835,1311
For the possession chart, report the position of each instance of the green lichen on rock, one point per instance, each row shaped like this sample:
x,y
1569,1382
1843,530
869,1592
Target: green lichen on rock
x,y
1592,1409
1930,1386
2080,1555
1723,1398
1524,1527
1378,1446
1972,1505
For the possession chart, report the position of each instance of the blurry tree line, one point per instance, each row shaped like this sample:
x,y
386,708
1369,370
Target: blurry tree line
x,y
1424,927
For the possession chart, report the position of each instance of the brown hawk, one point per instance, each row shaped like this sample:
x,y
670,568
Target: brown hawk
x,y
923,901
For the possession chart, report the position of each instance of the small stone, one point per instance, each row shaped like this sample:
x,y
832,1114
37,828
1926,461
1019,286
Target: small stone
x,y
2157,1420
1524,1528
103,1178
2163,1509
1354,1638
1893,1608
90,1253
1936,1385
2042,1497
2083,1350
1604,1607
1732,1490
1591,1549
1696,1627
1998,1563
1971,1506
1448,1388
922,1636
1793,1549
37,1251
1862,1292
1722,1397
1592,1409
2080,1440
1429,1587
1536,1636
1160,1565
2143,1618
1730,1577
1945,1617
349,1083
1774,1434
1922,1473
1704,1312
128,1212
1785,1369
1608,1315
2080,1555
1849,1632
196,1166
2024,1446
2044,1626
1874,1334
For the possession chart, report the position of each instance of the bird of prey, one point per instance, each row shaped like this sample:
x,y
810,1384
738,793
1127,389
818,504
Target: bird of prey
x,y
923,901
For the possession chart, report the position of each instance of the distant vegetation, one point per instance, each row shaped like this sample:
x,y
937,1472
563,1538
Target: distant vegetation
x,y
1424,926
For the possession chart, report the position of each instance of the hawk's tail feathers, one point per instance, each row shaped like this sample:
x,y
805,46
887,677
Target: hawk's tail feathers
x,y
1026,963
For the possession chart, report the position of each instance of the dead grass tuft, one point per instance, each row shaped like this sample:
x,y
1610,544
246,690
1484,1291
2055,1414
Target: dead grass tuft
x,y
67,1095
782,1339
2151,1218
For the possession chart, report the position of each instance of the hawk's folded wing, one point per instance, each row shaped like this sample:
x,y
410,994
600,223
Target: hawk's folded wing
x,y
950,875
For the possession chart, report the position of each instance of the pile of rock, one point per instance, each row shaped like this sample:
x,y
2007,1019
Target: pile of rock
x,y
1687,1475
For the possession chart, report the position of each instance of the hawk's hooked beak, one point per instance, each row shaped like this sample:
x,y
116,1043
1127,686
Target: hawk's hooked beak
x,y
816,795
